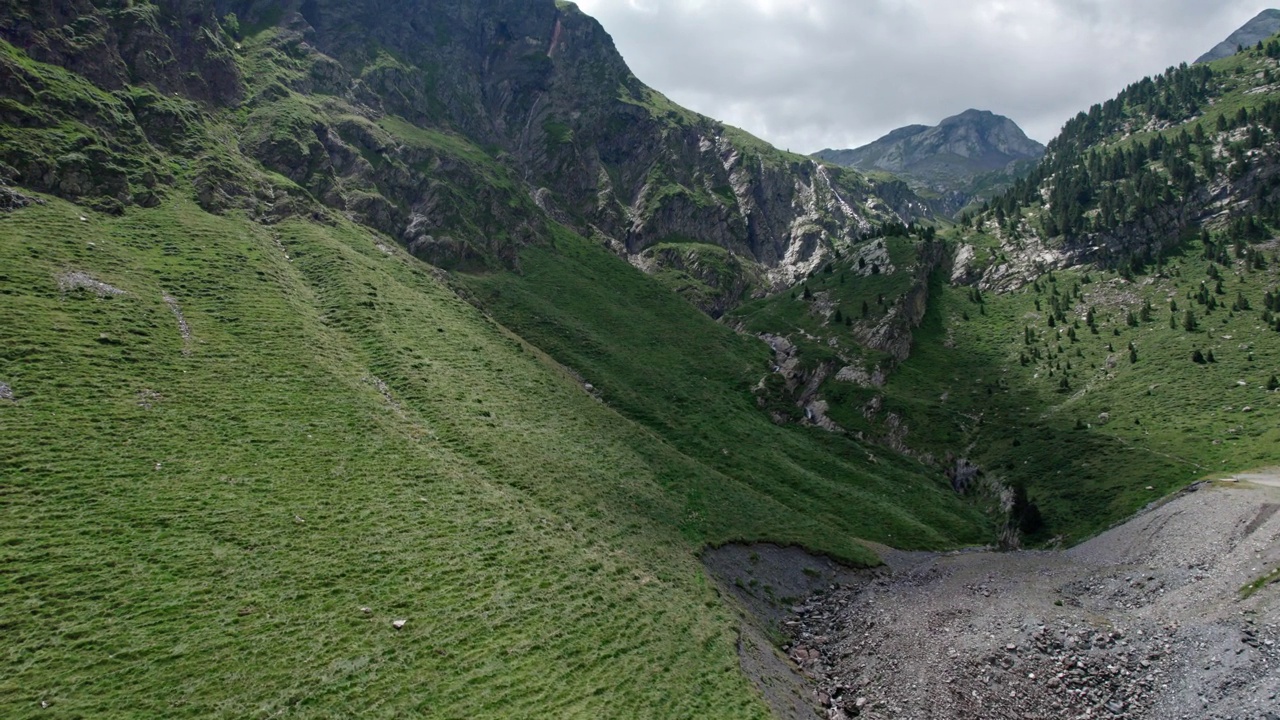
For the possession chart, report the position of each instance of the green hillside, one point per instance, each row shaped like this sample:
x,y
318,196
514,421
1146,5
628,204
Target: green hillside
x,y
329,385
245,428
1104,333
192,527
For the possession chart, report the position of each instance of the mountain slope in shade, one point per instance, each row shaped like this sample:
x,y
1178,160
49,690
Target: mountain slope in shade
x,y
1266,24
958,157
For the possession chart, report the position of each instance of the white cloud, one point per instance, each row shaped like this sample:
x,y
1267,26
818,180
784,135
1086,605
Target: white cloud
x,y
808,74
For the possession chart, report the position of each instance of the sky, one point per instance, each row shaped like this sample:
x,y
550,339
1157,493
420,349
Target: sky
x,y
812,74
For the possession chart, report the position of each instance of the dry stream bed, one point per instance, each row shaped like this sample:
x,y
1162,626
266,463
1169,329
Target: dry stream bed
x,y
1146,621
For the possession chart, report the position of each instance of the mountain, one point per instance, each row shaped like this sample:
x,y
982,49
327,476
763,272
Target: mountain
x,y
405,358
973,154
1266,24
329,384
533,93
1113,317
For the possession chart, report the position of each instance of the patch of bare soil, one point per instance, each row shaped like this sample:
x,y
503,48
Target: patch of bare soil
x,y
1143,622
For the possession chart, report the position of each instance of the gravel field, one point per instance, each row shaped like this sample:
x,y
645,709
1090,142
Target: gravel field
x,y
1146,621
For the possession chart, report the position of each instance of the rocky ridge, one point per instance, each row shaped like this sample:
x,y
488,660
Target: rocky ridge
x,y
461,128
1261,27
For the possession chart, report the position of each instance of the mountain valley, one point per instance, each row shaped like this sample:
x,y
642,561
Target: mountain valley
x,y
416,359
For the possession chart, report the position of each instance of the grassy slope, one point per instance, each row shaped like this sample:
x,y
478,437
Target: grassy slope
x,y
210,554
195,534
964,389
1169,420
663,364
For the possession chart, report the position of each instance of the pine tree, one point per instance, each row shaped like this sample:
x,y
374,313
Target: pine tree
x,y
1273,384
1189,321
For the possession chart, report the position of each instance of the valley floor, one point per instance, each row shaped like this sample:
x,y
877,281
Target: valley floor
x,y
1145,621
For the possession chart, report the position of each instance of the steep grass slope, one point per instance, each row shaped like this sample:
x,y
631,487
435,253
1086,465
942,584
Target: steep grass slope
x,y
191,527
692,381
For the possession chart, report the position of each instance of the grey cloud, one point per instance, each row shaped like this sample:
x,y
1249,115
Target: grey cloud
x,y
808,74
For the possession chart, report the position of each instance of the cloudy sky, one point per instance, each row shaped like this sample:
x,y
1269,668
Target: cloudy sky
x,y
810,74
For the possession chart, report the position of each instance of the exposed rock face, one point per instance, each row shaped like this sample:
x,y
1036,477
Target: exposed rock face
x,y
1266,24
173,46
957,158
893,334
529,111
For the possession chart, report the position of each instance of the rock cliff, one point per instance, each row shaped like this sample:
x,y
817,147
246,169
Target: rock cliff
x,y
460,127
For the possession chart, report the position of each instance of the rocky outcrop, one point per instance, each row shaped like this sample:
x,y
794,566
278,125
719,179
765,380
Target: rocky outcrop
x,y
710,278
892,334
1025,255
458,126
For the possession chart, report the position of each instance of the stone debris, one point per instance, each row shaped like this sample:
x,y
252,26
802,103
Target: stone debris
x,y
398,624
76,280
6,392
1142,623
183,328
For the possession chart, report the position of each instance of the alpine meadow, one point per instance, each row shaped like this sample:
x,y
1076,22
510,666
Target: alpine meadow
x,y
413,358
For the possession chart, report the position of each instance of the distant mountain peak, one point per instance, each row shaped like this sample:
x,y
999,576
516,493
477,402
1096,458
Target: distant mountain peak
x,y
972,114
952,157
1266,24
